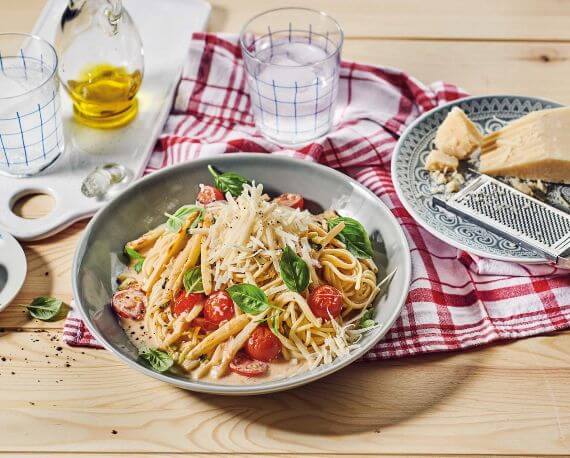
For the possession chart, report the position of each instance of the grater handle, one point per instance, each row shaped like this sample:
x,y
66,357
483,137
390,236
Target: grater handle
x,y
562,261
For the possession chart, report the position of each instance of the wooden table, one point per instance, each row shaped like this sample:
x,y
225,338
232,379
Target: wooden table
x,y
511,399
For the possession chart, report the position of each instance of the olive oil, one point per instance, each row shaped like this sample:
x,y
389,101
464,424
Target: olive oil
x,y
104,96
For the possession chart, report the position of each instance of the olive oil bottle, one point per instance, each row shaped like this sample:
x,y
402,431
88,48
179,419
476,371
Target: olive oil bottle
x,y
104,95
101,62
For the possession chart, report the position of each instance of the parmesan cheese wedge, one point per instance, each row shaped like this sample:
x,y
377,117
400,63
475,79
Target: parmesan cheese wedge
x,y
534,147
457,136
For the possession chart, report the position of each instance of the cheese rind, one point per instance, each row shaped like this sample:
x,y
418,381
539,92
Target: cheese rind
x,y
457,136
534,147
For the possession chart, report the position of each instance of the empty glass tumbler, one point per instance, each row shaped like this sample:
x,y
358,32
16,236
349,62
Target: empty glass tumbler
x,y
31,133
292,60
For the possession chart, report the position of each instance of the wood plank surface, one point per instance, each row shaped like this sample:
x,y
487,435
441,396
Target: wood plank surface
x,y
518,20
499,400
420,19
511,399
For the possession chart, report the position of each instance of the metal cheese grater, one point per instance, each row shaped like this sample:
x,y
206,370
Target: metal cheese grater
x,y
509,213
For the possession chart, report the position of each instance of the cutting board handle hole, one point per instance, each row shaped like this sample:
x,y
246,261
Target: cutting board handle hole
x,y
33,204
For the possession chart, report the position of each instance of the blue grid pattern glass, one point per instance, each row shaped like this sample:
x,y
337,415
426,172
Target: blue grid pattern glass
x,y
292,67
31,134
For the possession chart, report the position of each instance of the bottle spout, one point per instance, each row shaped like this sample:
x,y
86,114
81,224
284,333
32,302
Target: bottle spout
x,y
114,13
116,8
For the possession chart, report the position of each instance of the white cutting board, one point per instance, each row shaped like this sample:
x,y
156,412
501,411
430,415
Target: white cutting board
x,y
165,27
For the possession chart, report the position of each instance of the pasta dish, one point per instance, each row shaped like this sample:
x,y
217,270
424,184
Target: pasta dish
x,y
241,286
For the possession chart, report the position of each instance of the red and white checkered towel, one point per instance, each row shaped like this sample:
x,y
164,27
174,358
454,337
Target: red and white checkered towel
x,y
456,300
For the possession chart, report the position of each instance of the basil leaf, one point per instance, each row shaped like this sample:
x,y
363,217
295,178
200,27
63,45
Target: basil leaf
x,y
368,324
249,298
135,256
193,281
367,320
45,308
294,271
228,182
176,221
354,236
157,359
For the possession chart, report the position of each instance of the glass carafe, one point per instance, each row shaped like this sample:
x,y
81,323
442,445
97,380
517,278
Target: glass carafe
x,y
101,62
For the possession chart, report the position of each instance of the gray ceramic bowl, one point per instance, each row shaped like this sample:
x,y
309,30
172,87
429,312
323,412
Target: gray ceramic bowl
x,y
99,259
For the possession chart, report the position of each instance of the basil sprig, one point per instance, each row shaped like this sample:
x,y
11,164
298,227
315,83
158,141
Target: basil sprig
x,y
45,308
193,280
134,255
294,271
354,236
157,359
176,221
249,298
228,181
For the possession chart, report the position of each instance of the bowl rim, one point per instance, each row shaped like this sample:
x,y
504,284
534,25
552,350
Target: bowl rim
x,y
246,389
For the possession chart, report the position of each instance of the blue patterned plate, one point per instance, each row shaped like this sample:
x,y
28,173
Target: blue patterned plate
x,y
413,184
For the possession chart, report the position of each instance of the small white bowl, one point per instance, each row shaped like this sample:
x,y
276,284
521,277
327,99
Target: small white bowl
x,y
13,268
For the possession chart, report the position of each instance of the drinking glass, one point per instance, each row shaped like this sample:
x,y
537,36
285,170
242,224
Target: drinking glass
x,y
292,61
31,133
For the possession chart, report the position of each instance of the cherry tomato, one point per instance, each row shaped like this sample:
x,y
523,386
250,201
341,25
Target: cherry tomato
x,y
219,307
209,194
325,299
244,365
185,302
263,344
204,325
291,200
130,303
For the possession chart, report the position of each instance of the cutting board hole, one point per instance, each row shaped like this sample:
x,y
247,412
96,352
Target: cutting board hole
x,y
33,205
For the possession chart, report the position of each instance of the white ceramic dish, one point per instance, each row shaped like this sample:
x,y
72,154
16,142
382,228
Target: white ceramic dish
x,y
165,27
13,268
99,258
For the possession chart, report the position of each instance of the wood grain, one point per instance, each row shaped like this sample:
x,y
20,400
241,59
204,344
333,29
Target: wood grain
x,y
49,273
519,20
499,400
537,69
420,19
245,455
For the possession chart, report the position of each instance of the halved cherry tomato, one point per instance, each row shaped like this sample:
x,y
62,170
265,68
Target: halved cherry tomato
x,y
130,303
204,325
219,307
263,344
244,365
325,300
209,194
291,200
185,301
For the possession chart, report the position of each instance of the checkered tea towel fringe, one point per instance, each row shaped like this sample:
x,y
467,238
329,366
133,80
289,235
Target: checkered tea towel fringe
x,y
456,300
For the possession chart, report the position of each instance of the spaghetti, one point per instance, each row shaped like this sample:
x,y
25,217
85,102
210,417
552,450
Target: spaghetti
x,y
240,281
